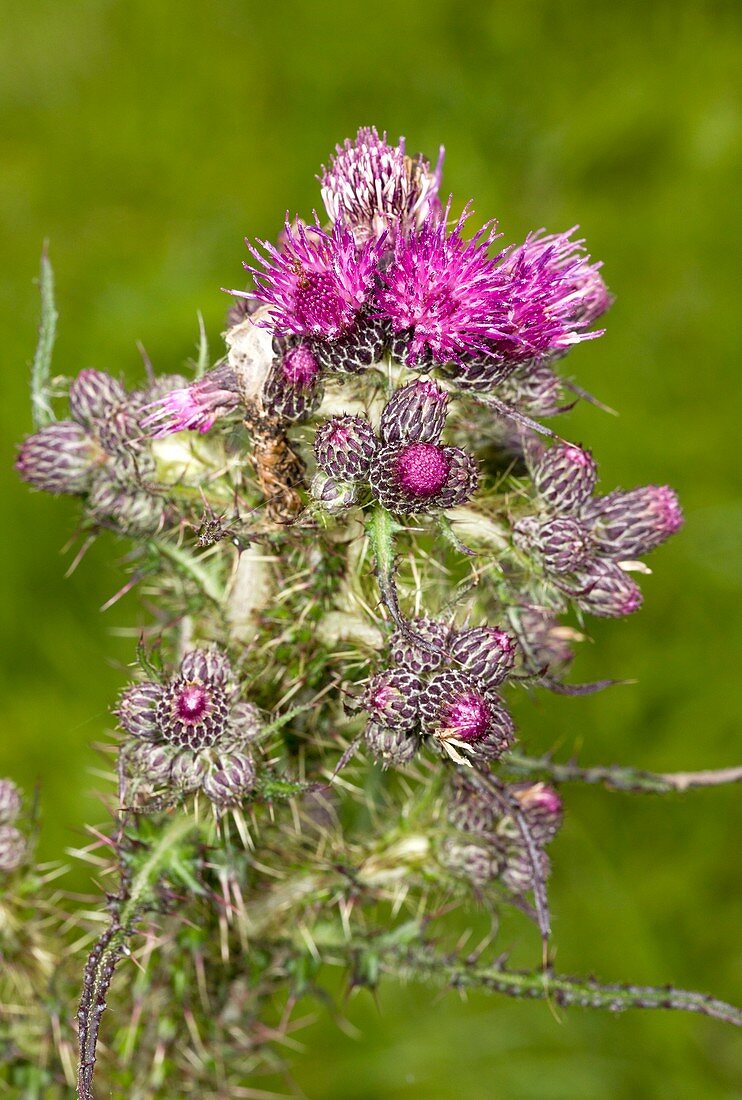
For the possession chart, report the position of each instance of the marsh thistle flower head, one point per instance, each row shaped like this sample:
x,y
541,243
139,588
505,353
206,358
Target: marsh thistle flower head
x,y
196,407
629,524
441,293
317,283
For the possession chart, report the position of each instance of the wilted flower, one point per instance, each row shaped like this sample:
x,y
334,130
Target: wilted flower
x,y
195,407
374,188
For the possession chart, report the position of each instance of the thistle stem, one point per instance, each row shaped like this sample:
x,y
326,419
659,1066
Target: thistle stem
x,y
622,779
423,964
112,945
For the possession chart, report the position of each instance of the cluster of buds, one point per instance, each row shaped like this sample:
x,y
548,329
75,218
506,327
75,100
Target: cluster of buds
x,y
191,732
442,688
407,469
588,544
101,452
13,844
490,843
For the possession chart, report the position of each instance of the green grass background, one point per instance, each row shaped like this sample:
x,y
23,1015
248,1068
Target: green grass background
x,y
145,139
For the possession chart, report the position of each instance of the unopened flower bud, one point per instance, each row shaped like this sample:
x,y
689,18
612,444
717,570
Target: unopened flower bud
x,y
391,747
453,707
534,389
345,447
485,654
61,458
565,476
206,665
416,412
414,655
334,496
137,710
603,589
152,762
93,395
477,863
627,525
10,802
133,512
188,770
293,388
13,848
354,350
244,725
542,809
543,640
562,542
392,698
517,873
469,809
230,781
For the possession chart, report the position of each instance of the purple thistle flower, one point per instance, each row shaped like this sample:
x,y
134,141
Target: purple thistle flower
x,y
554,293
196,407
440,291
317,284
422,477
629,524
374,188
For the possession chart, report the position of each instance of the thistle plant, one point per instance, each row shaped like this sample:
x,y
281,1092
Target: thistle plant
x,y
358,539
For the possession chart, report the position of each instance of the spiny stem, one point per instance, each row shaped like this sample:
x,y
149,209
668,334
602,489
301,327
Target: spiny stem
x,y
622,779
113,944
423,964
42,363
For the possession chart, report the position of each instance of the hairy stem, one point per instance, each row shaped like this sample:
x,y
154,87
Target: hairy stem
x,y
422,963
113,944
42,363
622,779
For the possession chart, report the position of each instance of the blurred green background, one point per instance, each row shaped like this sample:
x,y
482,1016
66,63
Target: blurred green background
x,y
145,139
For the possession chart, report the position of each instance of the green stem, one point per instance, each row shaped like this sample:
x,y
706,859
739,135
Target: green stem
x,y
622,779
